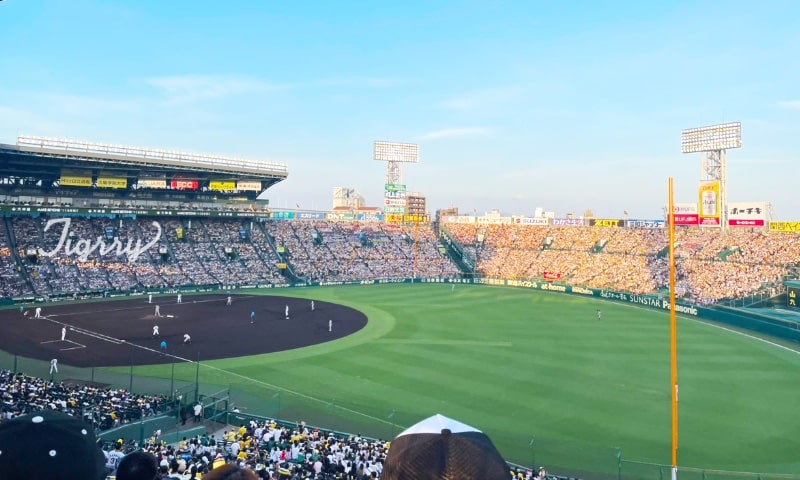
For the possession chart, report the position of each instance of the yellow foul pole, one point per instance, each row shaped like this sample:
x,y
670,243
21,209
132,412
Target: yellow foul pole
x,y
416,244
673,332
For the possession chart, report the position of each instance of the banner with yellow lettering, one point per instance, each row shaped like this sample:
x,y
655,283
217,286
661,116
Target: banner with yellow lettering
x,y
76,178
784,226
112,182
221,185
606,222
709,202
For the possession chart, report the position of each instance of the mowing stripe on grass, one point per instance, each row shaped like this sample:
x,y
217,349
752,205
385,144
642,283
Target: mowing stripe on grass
x,y
443,342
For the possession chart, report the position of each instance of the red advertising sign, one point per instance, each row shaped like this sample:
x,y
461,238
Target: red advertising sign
x,y
686,214
551,275
733,222
182,184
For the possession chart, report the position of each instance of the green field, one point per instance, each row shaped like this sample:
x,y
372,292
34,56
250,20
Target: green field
x,y
536,371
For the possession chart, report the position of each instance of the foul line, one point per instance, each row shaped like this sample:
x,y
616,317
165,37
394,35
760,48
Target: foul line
x,y
79,345
73,348
714,325
301,395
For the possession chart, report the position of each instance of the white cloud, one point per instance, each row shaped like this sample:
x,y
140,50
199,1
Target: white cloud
x,y
483,98
184,89
789,104
455,133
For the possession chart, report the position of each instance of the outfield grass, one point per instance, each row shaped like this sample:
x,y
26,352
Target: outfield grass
x,y
524,365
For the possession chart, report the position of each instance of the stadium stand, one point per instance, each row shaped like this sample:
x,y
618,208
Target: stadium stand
x,y
711,267
214,251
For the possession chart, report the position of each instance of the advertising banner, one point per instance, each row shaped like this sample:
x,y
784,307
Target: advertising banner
x,y
127,212
184,184
388,194
646,223
395,187
394,201
76,178
340,216
791,296
248,186
752,214
458,219
282,214
222,185
551,275
310,215
369,217
152,183
606,222
569,222
685,214
530,221
112,182
784,226
395,209
493,220
394,218
709,201
415,218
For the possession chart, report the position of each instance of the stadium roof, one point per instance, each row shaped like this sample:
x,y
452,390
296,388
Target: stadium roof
x,y
107,156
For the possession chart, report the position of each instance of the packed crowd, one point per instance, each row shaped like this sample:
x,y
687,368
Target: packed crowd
x,y
209,252
273,450
265,448
103,408
218,251
340,250
710,266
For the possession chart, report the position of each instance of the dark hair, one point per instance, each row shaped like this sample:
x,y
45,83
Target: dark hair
x,y
230,471
137,466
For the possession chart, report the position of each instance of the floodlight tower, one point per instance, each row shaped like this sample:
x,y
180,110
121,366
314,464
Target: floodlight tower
x,y
713,142
395,155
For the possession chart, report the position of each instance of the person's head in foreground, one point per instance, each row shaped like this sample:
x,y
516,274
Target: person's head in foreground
x,y
49,445
137,466
231,471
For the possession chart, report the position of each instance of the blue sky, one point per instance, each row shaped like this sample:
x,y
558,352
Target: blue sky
x,y
515,104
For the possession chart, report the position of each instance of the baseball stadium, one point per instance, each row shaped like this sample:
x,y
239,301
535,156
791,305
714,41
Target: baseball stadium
x,y
159,296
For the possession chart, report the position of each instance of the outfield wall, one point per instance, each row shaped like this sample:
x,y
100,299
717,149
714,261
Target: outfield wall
x,y
785,329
